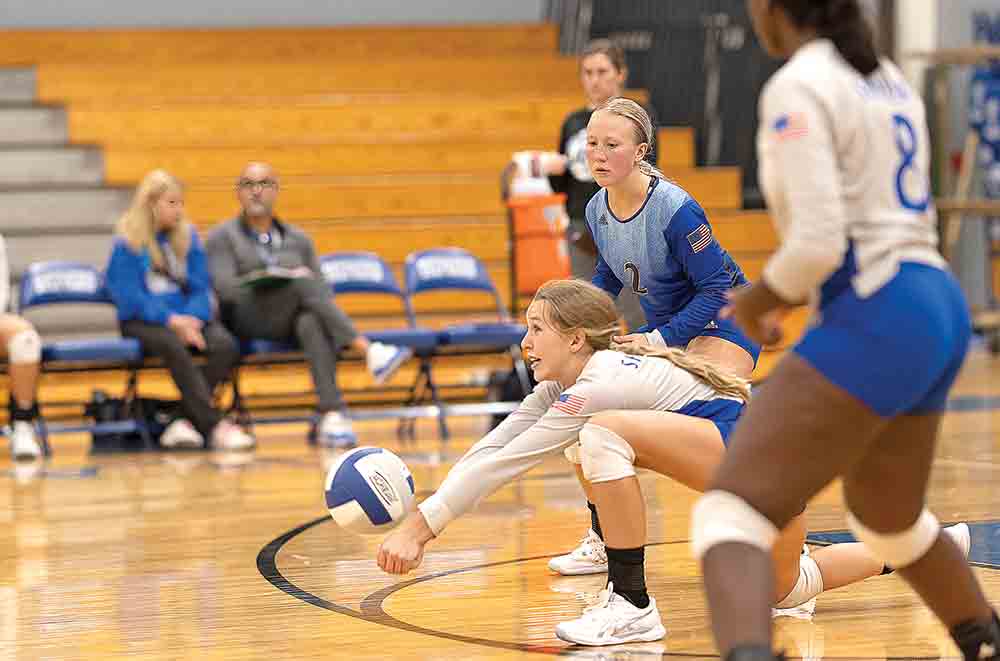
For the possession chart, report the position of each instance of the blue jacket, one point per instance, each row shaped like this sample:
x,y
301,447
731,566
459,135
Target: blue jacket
x,y
142,294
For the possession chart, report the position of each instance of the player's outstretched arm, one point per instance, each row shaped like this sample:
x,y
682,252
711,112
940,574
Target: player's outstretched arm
x,y
402,550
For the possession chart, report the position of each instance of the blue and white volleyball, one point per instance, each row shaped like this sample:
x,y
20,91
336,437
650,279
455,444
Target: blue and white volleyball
x,y
369,490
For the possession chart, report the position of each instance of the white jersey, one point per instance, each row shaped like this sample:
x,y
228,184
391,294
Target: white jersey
x,y
844,164
551,417
4,276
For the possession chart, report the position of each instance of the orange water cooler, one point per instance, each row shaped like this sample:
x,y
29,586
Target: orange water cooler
x,y
540,250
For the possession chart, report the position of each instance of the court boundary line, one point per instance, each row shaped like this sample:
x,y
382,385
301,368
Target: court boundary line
x,y
373,612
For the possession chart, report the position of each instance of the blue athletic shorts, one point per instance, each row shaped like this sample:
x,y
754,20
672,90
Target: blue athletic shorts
x,y
900,349
728,330
722,412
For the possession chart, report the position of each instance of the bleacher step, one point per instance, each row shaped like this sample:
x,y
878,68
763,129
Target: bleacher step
x,y
17,85
20,166
32,125
87,209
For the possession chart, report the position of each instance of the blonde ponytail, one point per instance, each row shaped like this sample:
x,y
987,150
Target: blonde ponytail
x,y
650,170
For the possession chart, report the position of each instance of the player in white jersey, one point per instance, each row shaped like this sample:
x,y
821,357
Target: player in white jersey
x,y
21,346
844,157
587,392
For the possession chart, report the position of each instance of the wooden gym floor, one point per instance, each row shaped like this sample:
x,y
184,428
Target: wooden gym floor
x,y
198,555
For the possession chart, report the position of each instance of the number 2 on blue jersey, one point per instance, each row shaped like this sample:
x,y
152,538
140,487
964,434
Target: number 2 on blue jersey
x,y
636,284
906,143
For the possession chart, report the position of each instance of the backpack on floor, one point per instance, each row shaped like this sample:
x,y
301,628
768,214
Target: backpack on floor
x,y
153,414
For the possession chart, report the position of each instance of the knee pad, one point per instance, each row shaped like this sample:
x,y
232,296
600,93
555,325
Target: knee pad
x,y
24,347
899,549
720,517
604,455
809,584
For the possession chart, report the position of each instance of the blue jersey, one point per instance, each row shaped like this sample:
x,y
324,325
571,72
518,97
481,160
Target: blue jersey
x,y
667,255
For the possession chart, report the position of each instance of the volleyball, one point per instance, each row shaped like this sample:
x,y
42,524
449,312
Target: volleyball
x,y
368,490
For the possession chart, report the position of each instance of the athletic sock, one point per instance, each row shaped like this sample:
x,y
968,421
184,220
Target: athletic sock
x,y
626,572
595,524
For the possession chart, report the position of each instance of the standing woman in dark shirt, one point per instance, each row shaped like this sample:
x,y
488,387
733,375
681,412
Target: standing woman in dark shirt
x,y
603,74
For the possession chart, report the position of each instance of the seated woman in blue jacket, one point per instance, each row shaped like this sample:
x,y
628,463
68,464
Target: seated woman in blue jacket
x,y
159,281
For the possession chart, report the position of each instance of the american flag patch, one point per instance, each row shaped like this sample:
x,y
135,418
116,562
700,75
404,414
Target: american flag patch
x,y
700,238
571,404
790,126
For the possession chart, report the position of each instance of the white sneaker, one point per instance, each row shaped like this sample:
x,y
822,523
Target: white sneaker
x,y
229,436
181,434
384,359
25,472
587,558
335,431
23,444
613,620
960,535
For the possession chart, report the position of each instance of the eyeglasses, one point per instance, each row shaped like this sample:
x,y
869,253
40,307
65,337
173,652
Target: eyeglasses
x,y
250,184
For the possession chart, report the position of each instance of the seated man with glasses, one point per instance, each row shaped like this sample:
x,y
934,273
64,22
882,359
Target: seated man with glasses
x,y
295,305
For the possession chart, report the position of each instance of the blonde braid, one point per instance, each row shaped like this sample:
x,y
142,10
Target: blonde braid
x,y
577,305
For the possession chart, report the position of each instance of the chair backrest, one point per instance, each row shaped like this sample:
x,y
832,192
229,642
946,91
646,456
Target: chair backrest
x,y
362,273
449,268
48,283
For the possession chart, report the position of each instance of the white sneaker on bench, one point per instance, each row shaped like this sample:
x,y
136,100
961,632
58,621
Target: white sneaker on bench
x,y
384,359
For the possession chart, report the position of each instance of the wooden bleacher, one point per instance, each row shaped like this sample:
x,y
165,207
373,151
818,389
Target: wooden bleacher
x,y
387,139
190,162
158,47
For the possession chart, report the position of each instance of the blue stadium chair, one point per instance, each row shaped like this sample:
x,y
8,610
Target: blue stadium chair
x,y
454,269
350,273
61,283
366,273
58,283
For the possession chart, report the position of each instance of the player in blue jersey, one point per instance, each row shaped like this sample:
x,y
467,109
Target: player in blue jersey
x,y
654,238
844,157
